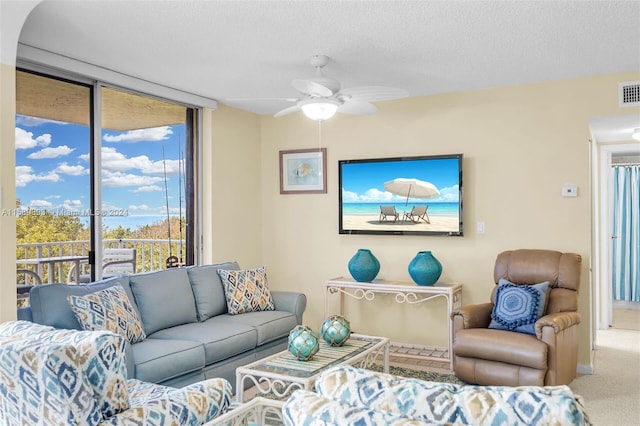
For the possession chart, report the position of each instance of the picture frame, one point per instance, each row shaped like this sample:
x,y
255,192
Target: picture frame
x,y
303,171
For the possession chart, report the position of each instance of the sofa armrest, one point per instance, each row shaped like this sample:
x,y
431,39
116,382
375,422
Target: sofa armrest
x,y
290,301
25,314
472,316
558,321
195,404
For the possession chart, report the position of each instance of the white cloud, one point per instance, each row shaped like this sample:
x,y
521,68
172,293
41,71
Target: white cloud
x,y
54,152
71,204
66,169
25,175
119,179
449,194
141,135
149,188
40,204
115,161
25,140
141,207
372,195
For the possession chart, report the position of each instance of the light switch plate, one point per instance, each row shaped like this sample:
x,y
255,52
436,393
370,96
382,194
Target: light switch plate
x,y
569,190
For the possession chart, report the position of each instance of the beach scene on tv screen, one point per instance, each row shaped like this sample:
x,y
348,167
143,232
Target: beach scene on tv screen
x,y
420,195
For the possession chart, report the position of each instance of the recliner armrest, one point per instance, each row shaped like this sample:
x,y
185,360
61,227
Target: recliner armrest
x,y
558,321
473,316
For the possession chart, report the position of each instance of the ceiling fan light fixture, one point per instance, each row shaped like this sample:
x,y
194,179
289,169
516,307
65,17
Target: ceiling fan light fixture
x,y
636,134
319,109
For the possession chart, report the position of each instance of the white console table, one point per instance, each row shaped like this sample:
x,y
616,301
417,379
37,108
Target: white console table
x,y
404,292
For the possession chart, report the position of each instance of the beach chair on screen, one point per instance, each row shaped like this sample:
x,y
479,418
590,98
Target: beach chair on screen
x,y
417,213
387,213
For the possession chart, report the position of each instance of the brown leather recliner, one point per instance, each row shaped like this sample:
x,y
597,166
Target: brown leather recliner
x,y
487,356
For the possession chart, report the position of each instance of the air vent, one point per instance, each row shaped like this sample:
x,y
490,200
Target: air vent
x,y
629,94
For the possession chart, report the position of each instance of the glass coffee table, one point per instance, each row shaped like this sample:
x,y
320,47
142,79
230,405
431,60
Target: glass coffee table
x,y
282,373
257,412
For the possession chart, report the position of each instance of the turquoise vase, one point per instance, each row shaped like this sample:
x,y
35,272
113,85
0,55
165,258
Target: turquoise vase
x,y
425,269
364,266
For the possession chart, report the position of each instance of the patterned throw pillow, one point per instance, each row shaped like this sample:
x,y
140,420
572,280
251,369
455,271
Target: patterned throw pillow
x,y
518,307
108,309
246,290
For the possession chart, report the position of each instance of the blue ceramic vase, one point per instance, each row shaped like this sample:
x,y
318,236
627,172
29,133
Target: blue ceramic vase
x,y
425,269
364,266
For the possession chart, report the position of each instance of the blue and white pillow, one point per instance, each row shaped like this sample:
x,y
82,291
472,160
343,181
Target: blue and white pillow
x,y
518,307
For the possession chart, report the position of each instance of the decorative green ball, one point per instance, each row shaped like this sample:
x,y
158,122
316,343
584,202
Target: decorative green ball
x,y
303,342
336,330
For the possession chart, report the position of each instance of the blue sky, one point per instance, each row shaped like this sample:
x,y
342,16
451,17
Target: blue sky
x,y
52,167
364,182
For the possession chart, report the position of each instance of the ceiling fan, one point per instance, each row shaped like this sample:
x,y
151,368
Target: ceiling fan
x,y
321,96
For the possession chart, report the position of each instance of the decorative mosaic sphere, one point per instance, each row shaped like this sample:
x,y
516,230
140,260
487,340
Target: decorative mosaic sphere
x,y
336,330
303,342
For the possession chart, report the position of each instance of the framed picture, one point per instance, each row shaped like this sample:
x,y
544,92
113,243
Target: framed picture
x,y
303,171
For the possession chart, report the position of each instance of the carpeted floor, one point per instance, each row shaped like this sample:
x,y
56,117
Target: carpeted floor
x,y
612,393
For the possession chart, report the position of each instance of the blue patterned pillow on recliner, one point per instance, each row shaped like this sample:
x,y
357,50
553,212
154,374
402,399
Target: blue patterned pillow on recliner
x,y
518,307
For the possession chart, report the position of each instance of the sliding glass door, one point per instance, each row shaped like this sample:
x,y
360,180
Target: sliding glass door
x,y
104,177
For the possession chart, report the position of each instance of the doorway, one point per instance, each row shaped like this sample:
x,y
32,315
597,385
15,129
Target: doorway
x,y
609,313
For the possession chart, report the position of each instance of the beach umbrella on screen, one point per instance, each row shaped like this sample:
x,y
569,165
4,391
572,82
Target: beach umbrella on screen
x,y
411,188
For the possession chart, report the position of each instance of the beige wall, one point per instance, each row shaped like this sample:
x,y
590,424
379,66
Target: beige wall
x,y
520,145
232,167
8,193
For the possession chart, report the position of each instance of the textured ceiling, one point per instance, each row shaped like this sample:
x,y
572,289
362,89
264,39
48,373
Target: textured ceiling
x,y
235,50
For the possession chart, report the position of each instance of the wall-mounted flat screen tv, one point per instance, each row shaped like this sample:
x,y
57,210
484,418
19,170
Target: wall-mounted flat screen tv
x,y
401,196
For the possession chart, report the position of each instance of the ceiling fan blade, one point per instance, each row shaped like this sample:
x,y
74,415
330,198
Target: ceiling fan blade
x,y
311,88
357,108
258,99
372,93
287,111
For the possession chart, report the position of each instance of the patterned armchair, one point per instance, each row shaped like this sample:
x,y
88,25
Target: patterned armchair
x,y
63,377
348,395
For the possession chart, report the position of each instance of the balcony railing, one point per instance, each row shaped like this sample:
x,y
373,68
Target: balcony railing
x,y
151,255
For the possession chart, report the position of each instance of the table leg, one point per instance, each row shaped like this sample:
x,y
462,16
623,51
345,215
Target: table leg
x,y
239,387
385,363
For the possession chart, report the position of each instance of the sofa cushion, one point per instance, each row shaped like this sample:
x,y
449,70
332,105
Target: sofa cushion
x,y
246,290
270,325
518,307
77,374
159,360
49,304
164,299
220,337
207,289
108,309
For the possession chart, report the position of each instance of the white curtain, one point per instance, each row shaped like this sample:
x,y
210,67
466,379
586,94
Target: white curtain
x,y
626,229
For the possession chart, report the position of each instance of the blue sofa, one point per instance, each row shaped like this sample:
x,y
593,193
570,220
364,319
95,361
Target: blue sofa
x,y
189,334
